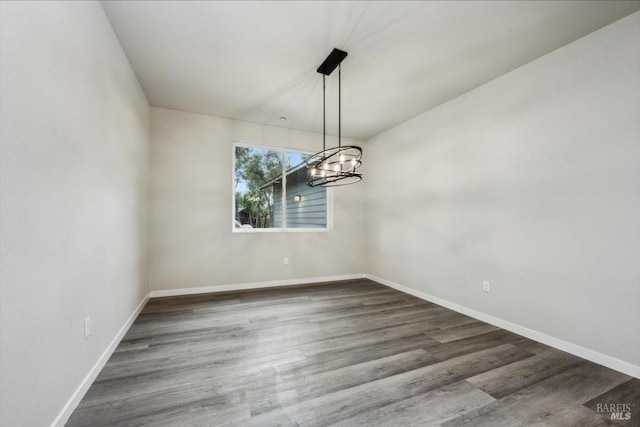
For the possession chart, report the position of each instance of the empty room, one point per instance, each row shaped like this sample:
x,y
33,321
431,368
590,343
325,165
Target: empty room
x,y
320,213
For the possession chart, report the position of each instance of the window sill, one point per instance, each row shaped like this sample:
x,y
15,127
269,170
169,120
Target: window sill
x,y
279,230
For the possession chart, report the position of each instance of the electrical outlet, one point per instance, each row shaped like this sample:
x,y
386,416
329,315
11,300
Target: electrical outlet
x,y
286,261
486,286
87,327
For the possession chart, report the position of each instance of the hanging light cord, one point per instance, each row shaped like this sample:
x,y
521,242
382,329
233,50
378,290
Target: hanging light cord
x,y
339,107
324,113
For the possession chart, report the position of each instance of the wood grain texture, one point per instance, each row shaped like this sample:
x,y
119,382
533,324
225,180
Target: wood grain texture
x,y
537,402
627,393
507,379
350,353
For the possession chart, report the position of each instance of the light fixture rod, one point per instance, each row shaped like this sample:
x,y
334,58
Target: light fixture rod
x,y
339,107
324,114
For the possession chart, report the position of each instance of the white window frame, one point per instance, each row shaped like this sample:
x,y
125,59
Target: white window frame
x,y
284,228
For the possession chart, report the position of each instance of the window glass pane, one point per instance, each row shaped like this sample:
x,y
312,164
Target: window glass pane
x,y
306,207
258,188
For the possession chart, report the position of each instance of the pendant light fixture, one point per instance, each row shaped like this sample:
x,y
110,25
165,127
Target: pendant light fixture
x,y
335,166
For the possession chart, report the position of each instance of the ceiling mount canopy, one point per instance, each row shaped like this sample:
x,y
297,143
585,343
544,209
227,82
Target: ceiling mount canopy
x,y
335,166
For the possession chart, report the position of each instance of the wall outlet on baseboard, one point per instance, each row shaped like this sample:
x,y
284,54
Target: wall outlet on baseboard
x,y
87,327
286,261
486,286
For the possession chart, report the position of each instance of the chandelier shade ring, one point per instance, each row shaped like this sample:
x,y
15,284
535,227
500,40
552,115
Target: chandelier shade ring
x,y
336,166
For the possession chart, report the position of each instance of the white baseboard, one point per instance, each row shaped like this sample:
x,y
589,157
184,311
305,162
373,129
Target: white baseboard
x,y
254,285
77,396
576,350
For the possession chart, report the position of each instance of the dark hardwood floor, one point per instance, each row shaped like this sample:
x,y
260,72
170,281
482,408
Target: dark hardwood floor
x,y
344,353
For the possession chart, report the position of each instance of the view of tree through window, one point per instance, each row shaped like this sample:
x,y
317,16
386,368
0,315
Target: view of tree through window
x,y
261,201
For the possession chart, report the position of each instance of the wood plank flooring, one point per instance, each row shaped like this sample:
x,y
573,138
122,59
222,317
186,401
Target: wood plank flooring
x,y
352,353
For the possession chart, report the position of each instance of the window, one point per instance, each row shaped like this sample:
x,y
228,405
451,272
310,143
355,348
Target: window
x,y
271,193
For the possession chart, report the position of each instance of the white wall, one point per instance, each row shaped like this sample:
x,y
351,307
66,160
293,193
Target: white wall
x,y
191,242
531,181
74,146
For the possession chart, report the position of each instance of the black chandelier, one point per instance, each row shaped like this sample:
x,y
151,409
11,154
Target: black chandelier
x,y
335,166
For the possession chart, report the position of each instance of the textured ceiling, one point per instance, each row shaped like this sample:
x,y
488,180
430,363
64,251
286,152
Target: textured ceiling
x,y
256,61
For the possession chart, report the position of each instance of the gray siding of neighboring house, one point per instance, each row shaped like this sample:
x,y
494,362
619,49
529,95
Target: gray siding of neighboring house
x,y
277,205
310,212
